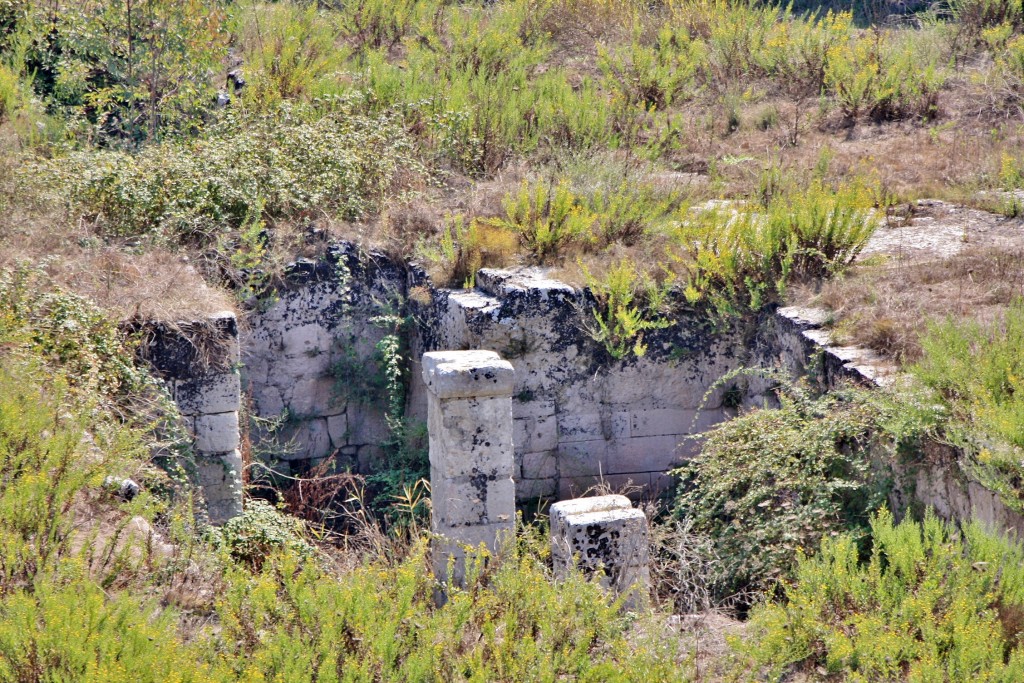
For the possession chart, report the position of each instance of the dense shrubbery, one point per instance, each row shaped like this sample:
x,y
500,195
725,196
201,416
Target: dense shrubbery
x,y
932,604
770,484
282,164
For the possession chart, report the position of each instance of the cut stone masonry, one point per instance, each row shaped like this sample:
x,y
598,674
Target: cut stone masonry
x,y
469,417
199,362
606,534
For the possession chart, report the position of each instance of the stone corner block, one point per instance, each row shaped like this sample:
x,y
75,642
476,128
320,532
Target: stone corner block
x,y
611,540
464,374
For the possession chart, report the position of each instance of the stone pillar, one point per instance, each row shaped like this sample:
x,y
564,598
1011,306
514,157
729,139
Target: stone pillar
x,y
607,534
469,418
199,361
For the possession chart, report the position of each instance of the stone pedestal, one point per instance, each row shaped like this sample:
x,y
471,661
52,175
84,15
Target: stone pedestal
x,y
469,418
605,534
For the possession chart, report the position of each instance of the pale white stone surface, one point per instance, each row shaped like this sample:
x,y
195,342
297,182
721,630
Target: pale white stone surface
x,y
217,432
604,534
471,453
461,374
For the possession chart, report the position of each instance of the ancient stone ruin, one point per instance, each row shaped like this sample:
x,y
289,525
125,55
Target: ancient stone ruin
x,y
199,362
578,416
606,535
469,417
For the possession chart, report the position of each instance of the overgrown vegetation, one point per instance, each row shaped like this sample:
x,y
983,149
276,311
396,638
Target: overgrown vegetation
x,y
770,484
674,157
933,602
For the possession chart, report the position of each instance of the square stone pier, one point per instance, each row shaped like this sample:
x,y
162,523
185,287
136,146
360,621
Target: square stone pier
x,y
469,418
606,534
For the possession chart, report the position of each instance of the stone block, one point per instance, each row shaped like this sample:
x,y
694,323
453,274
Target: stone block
x,y
583,459
542,465
470,502
220,478
305,440
337,430
521,428
661,422
544,433
613,542
311,397
564,509
620,424
662,484
268,401
218,393
366,425
305,340
217,433
371,459
470,436
573,428
460,374
643,454
531,489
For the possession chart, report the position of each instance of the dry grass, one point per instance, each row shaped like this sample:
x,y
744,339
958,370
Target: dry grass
x,y
886,306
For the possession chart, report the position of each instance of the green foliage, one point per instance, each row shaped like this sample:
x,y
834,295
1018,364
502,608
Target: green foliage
x,y
279,164
466,246
929,605
884,78
509,622
549,220
627,306
133,70
291,52
653,77
258,533
978,369
742,257
772,483
67,331
71,630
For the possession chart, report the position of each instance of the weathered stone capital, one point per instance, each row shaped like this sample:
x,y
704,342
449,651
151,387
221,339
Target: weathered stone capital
x,y
464,374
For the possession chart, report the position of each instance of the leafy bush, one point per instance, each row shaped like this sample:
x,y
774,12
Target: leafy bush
x,y
464,247
279,164
884,78
379,623
258,533
72,630
930,604
69,332
771,483
653,77
978,368
549,221
132,70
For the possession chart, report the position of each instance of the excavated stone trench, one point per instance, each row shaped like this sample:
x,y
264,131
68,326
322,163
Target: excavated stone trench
x,y
310,358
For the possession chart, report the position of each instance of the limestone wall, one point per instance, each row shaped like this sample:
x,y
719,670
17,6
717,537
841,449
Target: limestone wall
x,y
199,361
579,414
308,354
